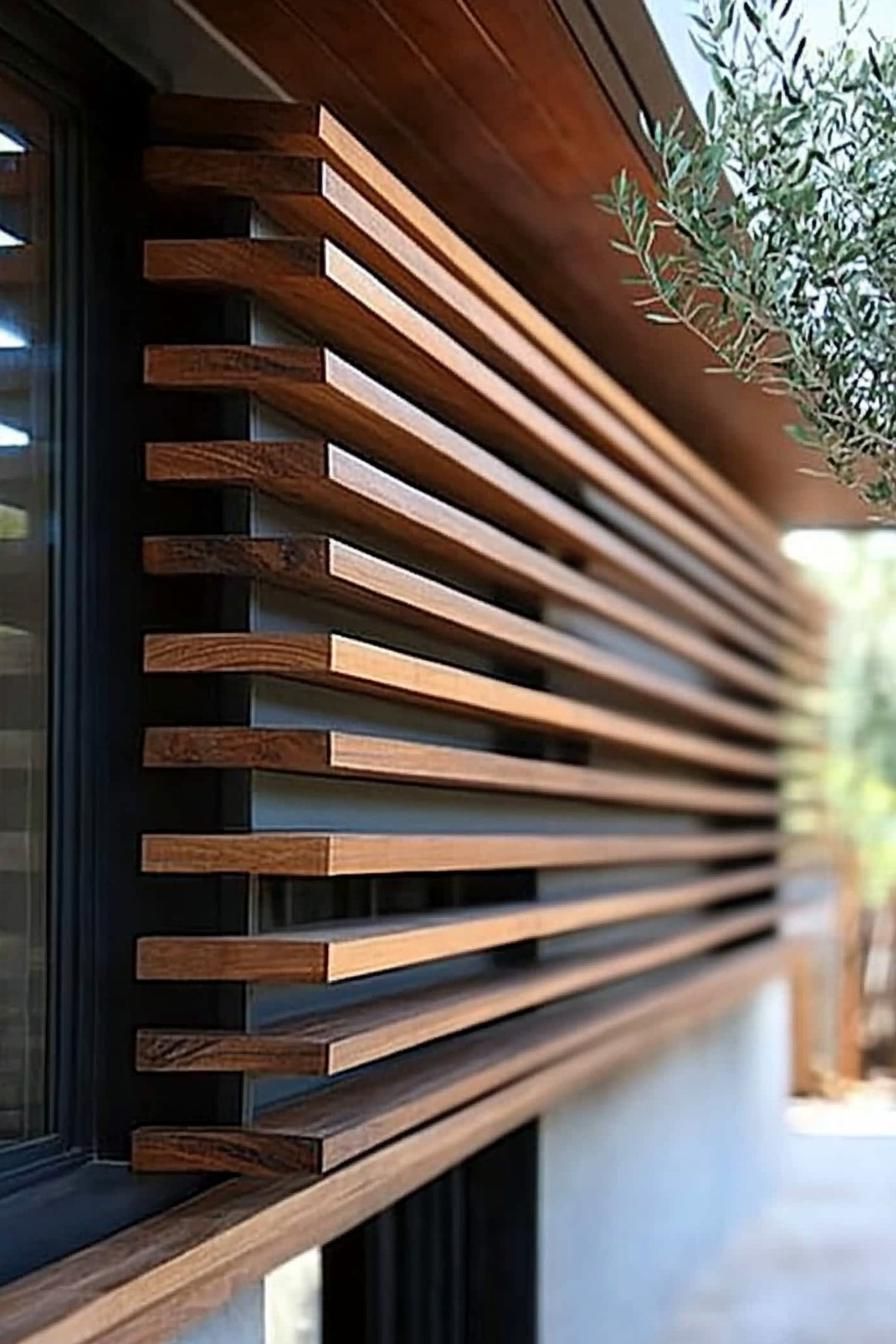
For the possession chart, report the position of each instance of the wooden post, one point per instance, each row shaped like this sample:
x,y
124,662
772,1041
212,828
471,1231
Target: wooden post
x,y
849,1054
803,1082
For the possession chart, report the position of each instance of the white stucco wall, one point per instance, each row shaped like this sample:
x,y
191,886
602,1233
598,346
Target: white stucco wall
x,y
284,1308
641,1177
241,1321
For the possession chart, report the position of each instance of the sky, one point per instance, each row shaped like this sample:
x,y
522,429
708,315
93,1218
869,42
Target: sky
x,y
830,552
672,19
820,18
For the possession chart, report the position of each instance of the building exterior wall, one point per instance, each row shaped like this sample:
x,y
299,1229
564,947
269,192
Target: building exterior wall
x,y
169,47
241,1321
643,1176
283,1308
639,1177
639,1180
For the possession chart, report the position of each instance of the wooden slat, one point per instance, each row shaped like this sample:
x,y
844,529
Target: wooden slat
x,y
339,570
335,395
333,297
326,391
340,484
639,436
354,1115
264,371
351,217
303,129
345,1038
357,491
152,1281
325,954
358,755
808,666
339,661
15,175
313,854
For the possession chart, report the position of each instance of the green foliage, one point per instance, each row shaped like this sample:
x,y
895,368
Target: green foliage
x,y
857,573
774,233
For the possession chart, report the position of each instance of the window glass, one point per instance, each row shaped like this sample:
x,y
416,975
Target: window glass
x,y
292,1299
26,512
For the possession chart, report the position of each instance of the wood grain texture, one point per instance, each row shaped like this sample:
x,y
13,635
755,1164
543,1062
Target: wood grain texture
x,y
359,755
344,486
348,488
644,439
326,954
334,1041
150,1282
350,216
494,122
331,295
186,171
513,418
354,1115
346,663
329,567
308,854
439,251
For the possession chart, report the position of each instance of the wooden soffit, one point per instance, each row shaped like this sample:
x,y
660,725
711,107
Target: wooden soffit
x,y
508,118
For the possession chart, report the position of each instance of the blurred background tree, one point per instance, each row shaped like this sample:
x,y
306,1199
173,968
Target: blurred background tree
x,y
856,573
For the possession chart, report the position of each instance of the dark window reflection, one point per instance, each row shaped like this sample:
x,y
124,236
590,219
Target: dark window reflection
x,y
26,510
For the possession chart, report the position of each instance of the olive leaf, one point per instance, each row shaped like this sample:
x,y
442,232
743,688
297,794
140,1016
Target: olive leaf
x,y
773,233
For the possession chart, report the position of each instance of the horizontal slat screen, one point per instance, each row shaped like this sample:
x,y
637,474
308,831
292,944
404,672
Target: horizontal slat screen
x,y
352,1116
514,669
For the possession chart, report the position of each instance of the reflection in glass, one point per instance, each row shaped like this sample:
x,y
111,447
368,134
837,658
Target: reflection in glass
x,y
292,1301
26,434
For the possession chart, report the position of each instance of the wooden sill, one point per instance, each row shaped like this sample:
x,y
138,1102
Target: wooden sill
x,y
148,1283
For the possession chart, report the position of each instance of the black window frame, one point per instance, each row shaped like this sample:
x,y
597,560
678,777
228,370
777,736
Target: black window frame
x,y
94,105
72,1189
77,1188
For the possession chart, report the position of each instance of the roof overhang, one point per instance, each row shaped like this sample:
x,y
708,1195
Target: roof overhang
x,y
508,119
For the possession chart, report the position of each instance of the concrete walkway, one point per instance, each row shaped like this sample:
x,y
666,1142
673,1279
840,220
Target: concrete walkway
x,y
819,1267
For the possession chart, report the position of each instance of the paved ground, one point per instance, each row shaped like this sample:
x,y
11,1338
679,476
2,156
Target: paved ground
x,y
820,1266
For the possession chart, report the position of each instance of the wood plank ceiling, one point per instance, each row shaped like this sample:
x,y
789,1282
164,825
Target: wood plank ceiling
x,y
494,114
